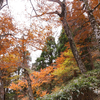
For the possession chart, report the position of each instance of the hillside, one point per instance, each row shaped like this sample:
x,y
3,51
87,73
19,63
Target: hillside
x,y
84,87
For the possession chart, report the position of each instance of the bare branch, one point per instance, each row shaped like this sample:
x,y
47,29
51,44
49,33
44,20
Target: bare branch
x,y
4,35
33,8
57,1
4,5
96,6
1,2
55,12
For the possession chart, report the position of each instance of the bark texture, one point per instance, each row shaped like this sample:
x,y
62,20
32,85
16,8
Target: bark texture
x,y
94,24
1,87
26,73
69,35
73,47
30,92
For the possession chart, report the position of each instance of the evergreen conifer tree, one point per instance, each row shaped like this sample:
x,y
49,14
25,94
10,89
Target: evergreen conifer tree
x,y
48,54
62,40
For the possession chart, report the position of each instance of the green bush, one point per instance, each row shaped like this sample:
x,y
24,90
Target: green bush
x,y
81,88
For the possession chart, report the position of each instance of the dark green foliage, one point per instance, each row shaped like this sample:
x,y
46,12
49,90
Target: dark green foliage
x,y
61,47
11,95
51,51
86,58
86,53
40,63
48,54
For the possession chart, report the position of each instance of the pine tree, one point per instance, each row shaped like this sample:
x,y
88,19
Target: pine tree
x,y
61,45
48,54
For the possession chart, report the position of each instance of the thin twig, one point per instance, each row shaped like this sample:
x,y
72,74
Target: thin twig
x,y
57,1
55,12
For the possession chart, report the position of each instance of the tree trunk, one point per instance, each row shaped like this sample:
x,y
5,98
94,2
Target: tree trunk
x,y
90,57
1,87
16,97
73,47
30,92
26,73
70,38
68,32
94,24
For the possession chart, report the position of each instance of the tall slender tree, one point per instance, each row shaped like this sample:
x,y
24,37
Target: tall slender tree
x,y
48,54
61,45
25,66
94,24
68,32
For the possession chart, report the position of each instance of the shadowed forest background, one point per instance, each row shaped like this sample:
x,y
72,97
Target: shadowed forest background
x,y
68,67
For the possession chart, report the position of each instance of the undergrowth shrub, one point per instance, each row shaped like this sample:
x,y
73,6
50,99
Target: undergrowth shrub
x,y
81,88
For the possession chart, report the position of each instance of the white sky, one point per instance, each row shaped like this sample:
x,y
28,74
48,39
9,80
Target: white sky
x,y
17,8
20,10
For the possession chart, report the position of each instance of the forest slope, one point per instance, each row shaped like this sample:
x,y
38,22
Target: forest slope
x,y
84,87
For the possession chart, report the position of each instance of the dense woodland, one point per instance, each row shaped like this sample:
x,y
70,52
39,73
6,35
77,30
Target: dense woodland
x,y
68,69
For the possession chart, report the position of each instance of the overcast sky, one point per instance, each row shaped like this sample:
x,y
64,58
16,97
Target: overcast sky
x,y
20,10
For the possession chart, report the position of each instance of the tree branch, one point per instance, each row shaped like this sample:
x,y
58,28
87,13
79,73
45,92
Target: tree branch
x,y
57,1
96,6
55,12
4,5
62,4
4,35
33,8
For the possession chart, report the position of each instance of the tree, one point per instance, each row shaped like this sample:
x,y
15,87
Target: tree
x,y
67,29
48,54
94,24
61,45
82,33
6,42
38,80
24,65
68,32
80,22
86,53
9,63
65,67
